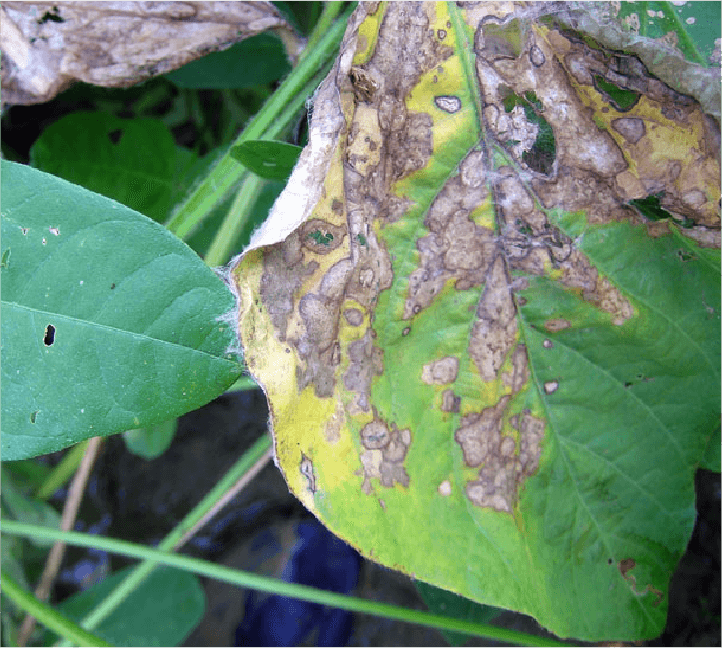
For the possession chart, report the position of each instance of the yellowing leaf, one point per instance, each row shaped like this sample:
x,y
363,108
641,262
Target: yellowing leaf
x,y
487,365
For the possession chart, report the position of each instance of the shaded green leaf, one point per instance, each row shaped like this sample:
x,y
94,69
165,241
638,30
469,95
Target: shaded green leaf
x,y
19,506
452,605
267,159
257,60
133,161
162,611
151,442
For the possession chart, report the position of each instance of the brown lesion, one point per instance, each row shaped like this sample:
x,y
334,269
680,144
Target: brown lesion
x,y
518,376
579,273
384,450
625,566
306,469
456,247
440,372
597,168
504,464
284,270
495,325
365,362
450,402
321,237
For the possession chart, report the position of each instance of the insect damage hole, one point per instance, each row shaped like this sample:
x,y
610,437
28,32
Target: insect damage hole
x,y
49,337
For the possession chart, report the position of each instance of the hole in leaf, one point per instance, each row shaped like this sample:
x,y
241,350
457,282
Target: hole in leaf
x,y
115,135
320,237
5,262
621,98
34,415
51,16
49,337
685,255
651,208
541,156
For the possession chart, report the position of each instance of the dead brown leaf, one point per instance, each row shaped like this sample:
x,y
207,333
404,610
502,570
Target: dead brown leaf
x,y
47,47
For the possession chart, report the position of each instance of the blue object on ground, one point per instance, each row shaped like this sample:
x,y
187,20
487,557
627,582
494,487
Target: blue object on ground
x,y
319,559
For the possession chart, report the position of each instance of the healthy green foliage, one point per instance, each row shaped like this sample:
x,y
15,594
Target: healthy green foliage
x,y
109,321
231,69
133,161
267,159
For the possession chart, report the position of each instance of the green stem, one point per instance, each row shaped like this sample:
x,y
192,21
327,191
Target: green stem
x,y
63,471
270,585
46,615
325,21
238,215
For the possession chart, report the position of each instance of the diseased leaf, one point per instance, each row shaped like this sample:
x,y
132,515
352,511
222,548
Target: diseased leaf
x,y
492,360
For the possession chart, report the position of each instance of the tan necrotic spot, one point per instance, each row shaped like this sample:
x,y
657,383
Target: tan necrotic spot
x,y
353,316
577,272
631,128
555,325
283,273
306,469
375,435
450,402
448,103
502,469
478,435
457,248
366,361
385,448
444,488
441,372
536,56
321,237
519,374
495,326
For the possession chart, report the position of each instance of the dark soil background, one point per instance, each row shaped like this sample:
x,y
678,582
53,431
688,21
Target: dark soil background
x,y
259,530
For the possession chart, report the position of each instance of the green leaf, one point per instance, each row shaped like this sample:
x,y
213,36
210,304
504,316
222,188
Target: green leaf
x,y
692,27
153,441
133,161
162,611
257,60
486,308
109,321
452,605
267,159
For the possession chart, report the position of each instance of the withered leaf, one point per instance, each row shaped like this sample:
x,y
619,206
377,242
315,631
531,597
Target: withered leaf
x,y
48,46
